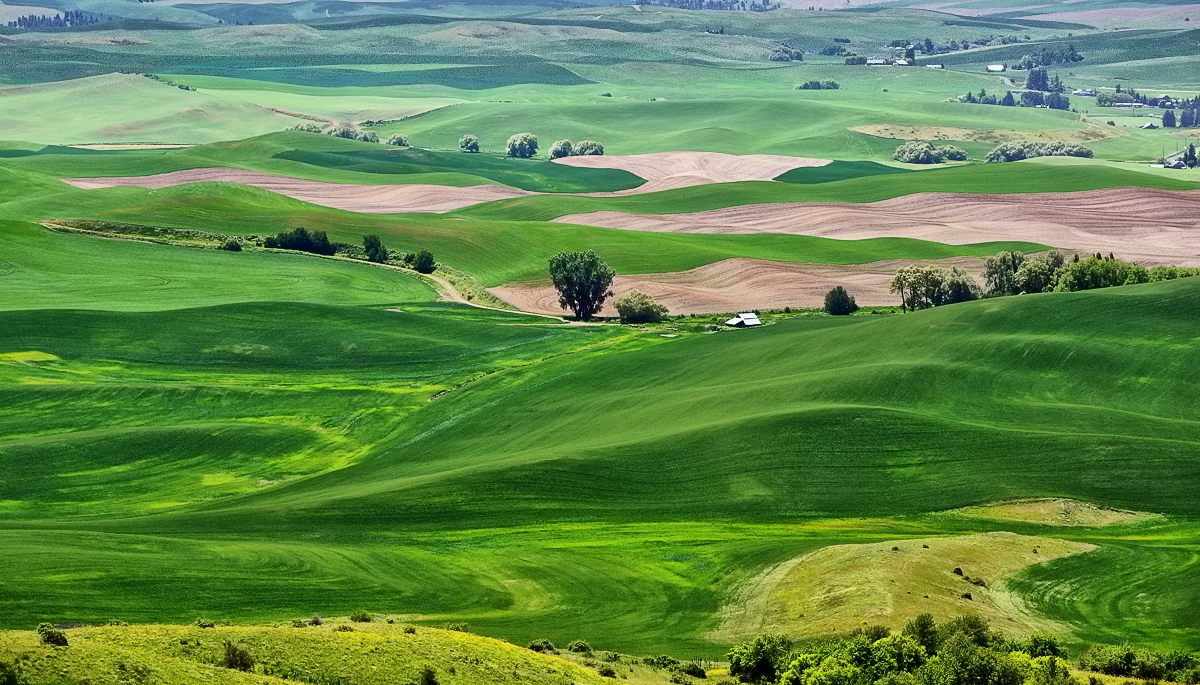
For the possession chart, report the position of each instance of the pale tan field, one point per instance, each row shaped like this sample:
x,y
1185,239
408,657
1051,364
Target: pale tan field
x,y
668,170
1053,512
1140,224
840,587
385,199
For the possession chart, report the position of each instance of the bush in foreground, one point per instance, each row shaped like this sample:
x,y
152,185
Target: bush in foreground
x,y
468,143
838,302
638,307
49,635
522,145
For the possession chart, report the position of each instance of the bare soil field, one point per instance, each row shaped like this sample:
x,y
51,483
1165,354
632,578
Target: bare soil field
x,y
668,170
1144,225
384,199
740,284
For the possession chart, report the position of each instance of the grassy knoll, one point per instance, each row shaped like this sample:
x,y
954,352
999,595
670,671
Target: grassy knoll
x,y
623,493
43,269
368,653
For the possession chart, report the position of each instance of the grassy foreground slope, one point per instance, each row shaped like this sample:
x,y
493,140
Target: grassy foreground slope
x,y
368,654
620,492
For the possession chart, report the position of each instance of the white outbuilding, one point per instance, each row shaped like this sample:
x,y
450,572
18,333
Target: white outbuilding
x,y
744,320
996,68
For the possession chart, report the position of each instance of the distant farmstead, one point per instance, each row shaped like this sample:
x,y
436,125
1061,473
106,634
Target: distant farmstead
x,y
744,320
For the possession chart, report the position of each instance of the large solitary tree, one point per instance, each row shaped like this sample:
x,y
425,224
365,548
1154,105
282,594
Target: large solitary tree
x,y
583,282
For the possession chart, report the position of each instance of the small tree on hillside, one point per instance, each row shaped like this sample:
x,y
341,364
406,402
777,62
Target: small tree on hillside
x,y
838,302
638,307
523,145
424,262
468,143
582,280
398,140
560,148
374,248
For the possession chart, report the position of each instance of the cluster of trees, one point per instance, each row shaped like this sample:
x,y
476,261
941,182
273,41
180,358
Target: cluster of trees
x,y
1121,96
1188,117
1048,57
1053,100
344,131
922,287
68,19
928,47
1146,665
962,651
564,148
916,152
1012,273
1024,149
1039,79
783,53
468,143
399,140
583,282
724,5
376,252
818,85
1189,156
316,242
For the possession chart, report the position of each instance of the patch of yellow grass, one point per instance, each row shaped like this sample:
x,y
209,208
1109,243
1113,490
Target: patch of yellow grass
x,y
839,588
1091,133
1051,511
31,356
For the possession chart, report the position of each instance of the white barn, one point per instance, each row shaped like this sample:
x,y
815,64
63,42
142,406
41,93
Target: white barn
x,y
744,320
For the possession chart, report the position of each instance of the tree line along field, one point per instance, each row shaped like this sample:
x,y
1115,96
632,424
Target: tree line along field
x,y
254,437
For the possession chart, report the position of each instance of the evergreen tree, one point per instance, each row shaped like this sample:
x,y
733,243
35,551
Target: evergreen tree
x,y
1168,120
1037,79
1008,100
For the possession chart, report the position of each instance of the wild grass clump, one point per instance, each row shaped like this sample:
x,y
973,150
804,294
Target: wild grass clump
x,y
457,627
49,635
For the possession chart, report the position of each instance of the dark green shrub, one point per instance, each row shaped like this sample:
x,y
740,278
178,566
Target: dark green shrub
x,y
424,263
924,631
693,669
343,628
236,657
661,661
9,675
231,246
410,630
49,635
838,302
360,616
543,645
315,621
301,240
457,627
579,647
606,671
299,623
427,676
468,143
206,623
374,248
